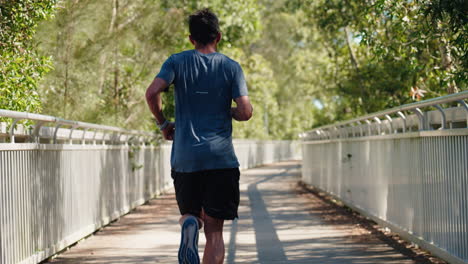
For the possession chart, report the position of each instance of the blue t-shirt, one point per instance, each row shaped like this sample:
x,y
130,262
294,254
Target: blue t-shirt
x,y
205,85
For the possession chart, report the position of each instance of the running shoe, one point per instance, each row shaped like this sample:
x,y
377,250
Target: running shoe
x,y
188,250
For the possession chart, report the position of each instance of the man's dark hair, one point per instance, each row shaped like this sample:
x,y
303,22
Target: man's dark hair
x,y
203,26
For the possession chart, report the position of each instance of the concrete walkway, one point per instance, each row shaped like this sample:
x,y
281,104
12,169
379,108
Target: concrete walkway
x,y
276,225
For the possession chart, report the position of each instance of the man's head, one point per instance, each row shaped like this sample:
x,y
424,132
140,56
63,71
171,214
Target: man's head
x,y
204,27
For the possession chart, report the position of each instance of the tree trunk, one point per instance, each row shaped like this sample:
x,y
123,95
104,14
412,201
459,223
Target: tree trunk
x,y
447,65
103,59
351,51
446,58
115,14
68,46
355,64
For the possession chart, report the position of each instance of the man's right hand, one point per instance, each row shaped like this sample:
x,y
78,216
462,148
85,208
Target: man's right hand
x,y
168,132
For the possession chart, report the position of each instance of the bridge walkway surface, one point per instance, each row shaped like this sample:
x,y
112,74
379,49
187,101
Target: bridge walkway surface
x,y
277,224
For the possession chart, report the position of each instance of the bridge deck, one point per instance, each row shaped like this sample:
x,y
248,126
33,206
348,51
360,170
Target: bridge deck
x,y
276,225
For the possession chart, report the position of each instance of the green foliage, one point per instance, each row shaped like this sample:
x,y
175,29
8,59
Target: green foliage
x,y
20,65
383,49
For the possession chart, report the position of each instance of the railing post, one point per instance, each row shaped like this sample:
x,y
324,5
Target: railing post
x,y
390,122
84,135
103,138
70,139
421,117
361,132
368,127
36,132
443,117
54,140
94,136
465,105
379,123
403,117
12,130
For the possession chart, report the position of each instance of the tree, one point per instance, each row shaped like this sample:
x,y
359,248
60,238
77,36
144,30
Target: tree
x,y
21,67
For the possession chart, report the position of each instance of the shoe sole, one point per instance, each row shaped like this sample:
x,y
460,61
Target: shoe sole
x,y
188,251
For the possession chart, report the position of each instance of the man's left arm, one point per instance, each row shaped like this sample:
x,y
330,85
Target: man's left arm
x,y
153,98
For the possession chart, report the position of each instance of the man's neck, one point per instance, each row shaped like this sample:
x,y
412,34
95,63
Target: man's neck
x,y
206,49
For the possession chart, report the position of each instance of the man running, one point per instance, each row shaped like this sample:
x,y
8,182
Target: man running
x,y
205,169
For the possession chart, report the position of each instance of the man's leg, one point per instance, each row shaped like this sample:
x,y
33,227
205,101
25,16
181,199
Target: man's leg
x,y
220,202
214,248
188,195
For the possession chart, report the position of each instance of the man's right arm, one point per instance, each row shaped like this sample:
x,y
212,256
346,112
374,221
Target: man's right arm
x,y
153,98
243,110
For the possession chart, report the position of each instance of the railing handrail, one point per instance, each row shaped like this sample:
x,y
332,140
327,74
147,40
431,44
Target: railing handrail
x,y
41,119
412,106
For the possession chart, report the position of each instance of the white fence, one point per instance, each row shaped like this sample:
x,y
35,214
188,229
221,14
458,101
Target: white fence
x,y
408,172
52,195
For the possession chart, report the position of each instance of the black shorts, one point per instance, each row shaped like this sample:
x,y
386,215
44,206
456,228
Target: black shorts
x,y
216,191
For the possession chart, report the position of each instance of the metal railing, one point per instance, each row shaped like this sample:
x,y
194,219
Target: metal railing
x,y
408,172
58,185
397,120
101,132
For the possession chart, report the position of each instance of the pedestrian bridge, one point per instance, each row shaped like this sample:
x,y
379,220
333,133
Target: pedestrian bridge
x,y
405,168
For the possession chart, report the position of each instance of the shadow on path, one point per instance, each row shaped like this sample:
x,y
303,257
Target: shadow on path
x,y
276,225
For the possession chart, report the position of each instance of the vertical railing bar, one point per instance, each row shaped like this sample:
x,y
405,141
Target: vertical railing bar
x,y
14,204
24,206
464,176
454,185
446,180
2,209
457,185
9,191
